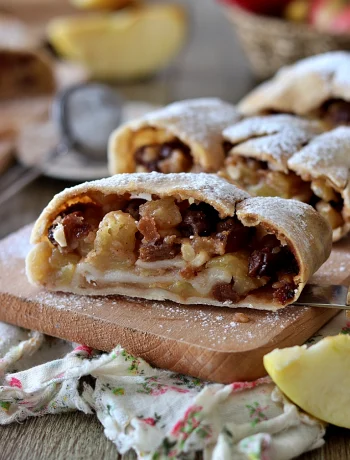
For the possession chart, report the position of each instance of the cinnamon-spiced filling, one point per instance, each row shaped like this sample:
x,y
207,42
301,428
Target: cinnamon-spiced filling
x,y
256,177
183,247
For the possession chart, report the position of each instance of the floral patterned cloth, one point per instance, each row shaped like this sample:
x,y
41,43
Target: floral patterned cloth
x,y
157,413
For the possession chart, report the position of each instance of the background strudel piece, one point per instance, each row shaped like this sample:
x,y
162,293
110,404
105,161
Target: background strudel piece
x,y
317,87
25,70
181,137
286,156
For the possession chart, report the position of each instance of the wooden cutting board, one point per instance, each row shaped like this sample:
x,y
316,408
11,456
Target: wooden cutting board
x,y
205,342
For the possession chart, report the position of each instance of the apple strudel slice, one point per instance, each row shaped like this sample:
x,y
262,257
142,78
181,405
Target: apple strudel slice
x,y
286,156
317,87
25,70
181,137
189,238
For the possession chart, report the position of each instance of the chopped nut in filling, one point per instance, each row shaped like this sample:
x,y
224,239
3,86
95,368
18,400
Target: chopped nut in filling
x,y
166,244
256,177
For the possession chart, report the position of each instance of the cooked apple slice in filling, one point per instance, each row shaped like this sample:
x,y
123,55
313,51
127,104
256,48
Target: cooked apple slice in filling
x,y
286,156
190,238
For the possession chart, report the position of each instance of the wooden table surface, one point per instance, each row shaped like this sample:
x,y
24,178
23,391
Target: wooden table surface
x,y
213,64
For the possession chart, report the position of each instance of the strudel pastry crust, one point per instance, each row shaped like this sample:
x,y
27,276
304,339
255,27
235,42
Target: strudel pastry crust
x,y
318,86
286,156
189,238
181,137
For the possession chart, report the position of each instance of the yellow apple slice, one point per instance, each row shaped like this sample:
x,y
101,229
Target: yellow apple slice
x,y
103,4
132,43
317,379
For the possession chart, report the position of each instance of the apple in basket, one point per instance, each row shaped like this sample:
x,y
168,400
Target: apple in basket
x,y
266,7
331,15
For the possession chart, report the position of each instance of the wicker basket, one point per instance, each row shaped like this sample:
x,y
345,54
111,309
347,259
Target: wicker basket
x,y
271,43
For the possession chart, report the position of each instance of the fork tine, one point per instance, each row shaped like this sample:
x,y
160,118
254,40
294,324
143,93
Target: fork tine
x,y
28,175
12,175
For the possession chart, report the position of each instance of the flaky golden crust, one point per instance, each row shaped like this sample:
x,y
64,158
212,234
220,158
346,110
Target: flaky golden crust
x,y
203,187
272,138
295,224
303,87
198,123
328,157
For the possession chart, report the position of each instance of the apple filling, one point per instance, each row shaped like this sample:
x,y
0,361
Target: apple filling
x,y
256,177
157,150
181,247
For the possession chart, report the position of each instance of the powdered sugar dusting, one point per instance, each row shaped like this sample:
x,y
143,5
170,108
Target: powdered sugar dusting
x,y
304,86
61,300
191,324
18,250
279,210
335,64
203,120
277,137
204,187
269,124
219,330
209,184
157,183
327,155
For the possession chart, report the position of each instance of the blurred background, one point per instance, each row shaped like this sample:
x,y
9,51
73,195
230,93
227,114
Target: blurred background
x,y
149,53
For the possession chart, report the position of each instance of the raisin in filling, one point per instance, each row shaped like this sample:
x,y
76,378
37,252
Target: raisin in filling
x,y
233,234
164,229
198,219
336,112
225,292
78,221
170,157
159,250
227,146
268,259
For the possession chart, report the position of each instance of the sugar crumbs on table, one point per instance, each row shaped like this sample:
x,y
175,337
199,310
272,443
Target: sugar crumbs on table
x,y
63,301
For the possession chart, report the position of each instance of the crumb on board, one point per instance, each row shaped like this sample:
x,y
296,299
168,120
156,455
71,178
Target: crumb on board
x,y
241,318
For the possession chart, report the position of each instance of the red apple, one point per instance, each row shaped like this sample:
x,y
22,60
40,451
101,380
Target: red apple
x,y
323,12
341,23
266,7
